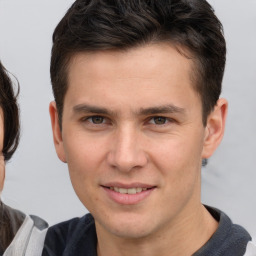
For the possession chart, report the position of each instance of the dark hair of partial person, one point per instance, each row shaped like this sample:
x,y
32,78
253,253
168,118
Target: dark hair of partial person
x,y
8,103
189,25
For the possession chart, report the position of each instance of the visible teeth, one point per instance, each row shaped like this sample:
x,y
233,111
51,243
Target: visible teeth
x,y
138,190
130,191
123,190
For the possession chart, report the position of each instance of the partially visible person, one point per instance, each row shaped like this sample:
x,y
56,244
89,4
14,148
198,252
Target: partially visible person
x,y
20,234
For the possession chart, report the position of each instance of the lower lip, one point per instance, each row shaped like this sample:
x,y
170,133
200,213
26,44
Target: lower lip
x,y
128,199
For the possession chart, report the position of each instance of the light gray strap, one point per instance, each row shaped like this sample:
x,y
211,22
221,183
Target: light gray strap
x,y
19,243
36,242
28,241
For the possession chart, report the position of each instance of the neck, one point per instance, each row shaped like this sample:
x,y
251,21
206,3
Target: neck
x,y
188,235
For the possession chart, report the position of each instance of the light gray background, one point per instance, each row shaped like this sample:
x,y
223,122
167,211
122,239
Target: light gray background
x,y
38,183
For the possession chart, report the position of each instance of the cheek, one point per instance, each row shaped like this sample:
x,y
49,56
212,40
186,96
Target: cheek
x,y
85,159
179,160
83,176
2,173
83,152
180,171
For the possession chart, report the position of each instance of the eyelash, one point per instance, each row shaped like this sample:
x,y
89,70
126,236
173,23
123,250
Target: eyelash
x,y
87,119
155,119
151,120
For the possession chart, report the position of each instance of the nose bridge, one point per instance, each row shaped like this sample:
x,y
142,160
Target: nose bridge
x,y
127,150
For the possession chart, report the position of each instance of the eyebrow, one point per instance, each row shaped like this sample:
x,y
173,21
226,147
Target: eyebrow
x,y
84,108
165,109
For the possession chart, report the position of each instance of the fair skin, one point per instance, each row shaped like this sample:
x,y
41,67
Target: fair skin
x,y
133,139
2,164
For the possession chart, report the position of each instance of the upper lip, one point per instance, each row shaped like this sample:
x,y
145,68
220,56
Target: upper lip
x,y
127,186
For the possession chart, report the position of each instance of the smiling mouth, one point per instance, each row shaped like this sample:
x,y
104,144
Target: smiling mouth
x,y
130,191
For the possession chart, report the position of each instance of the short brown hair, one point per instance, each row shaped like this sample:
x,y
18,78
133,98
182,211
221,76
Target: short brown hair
x,y
91,25
8,103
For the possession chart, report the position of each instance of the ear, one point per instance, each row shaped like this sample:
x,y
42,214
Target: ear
x,y
57,135
215,127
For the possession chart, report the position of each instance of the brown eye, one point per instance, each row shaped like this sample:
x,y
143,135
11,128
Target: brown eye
x,y
97,119
159,120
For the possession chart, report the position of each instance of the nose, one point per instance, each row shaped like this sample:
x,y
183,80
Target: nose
x,y
127,152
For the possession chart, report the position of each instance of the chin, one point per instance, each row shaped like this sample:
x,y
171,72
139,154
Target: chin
x,y
129,227
131,232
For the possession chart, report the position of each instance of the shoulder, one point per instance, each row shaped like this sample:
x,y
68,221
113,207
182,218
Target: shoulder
x,y
233,235
64,230
65,235
228,240
236,241
251,248
29,238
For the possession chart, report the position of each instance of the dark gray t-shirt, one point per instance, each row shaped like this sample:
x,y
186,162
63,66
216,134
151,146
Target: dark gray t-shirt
x,y
78,237
228,240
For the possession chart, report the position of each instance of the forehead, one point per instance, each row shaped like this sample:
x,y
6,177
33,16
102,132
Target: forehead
x,y
139,75
158,56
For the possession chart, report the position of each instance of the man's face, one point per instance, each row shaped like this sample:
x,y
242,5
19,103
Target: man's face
x,y
2,165
133,138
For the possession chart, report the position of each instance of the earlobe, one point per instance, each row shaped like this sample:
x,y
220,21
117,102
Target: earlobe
x,y
215,127
57,135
